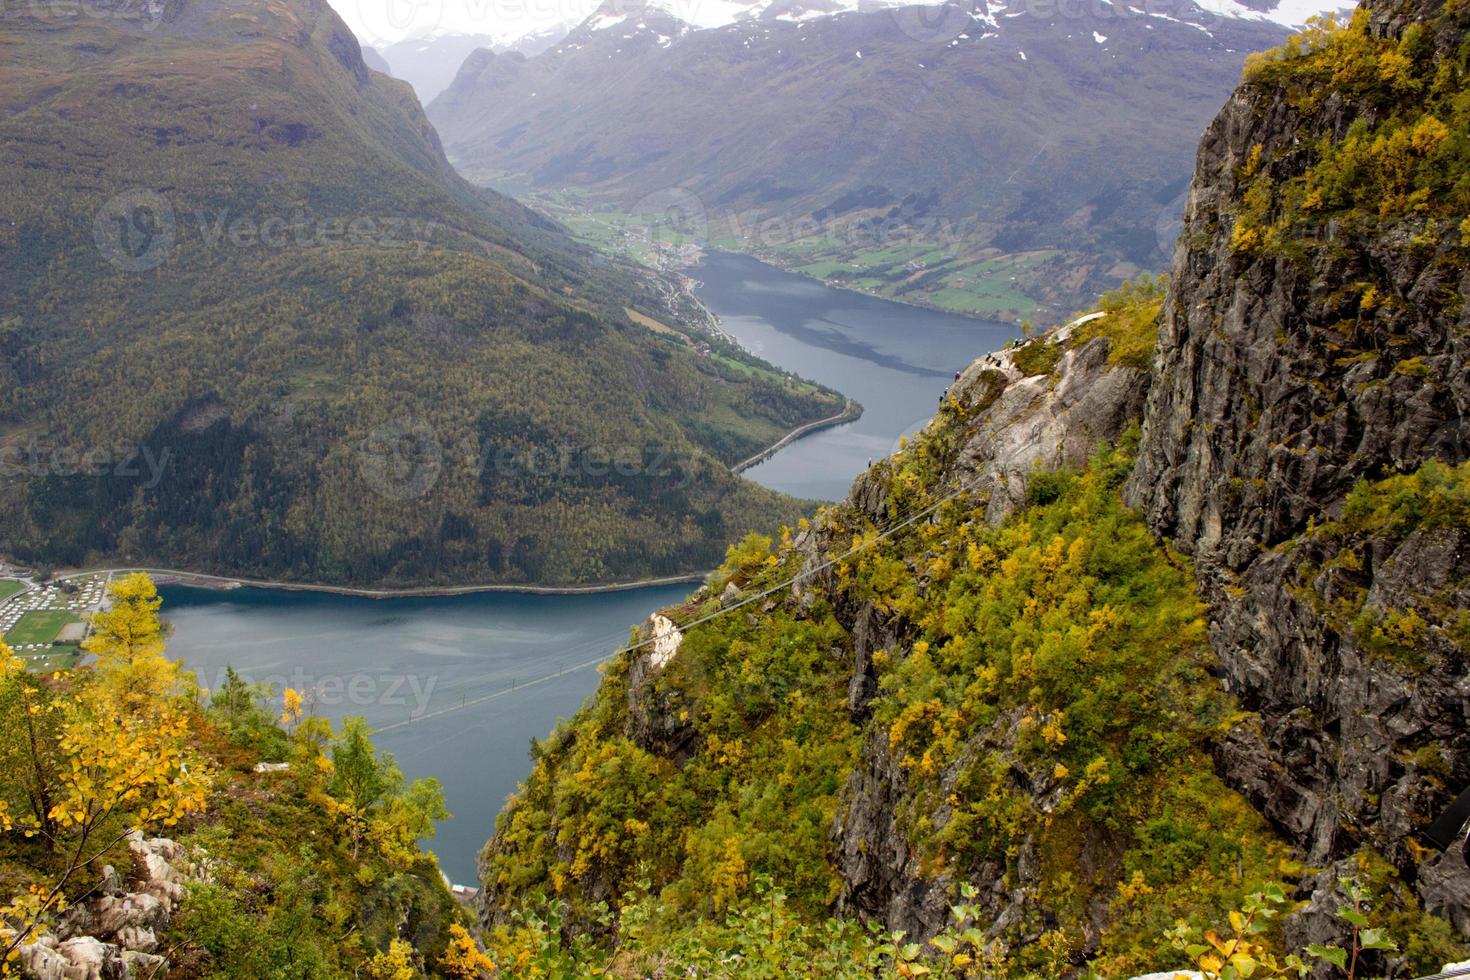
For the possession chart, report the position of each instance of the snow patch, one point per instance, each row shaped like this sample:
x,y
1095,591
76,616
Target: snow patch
x,y
1287,13
601,22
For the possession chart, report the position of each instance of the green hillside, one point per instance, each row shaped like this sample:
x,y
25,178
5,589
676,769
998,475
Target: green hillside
x,y
253,323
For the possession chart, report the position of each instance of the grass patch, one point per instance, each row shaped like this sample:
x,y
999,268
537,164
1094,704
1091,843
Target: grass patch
x,y
651,323
39,626
1132,321
9,587
1037,358
52,660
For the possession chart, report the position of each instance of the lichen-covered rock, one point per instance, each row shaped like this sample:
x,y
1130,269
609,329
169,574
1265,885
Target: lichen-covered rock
x,y
41,961
1049,422
657,716
1014,424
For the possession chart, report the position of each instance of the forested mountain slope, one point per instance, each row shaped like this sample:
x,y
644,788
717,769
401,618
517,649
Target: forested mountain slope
x,y
253,323
1163,611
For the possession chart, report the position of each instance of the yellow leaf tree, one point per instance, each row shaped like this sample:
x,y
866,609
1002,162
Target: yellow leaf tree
x,y
127,640
395,963
463,959
117,764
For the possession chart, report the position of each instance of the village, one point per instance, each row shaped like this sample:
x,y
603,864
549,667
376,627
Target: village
x,y
44,619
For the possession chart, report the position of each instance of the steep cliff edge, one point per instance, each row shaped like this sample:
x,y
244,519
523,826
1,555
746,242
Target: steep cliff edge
x,y
1164,607
1314,336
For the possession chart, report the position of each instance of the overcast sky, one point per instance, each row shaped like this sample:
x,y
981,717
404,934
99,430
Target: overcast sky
x,y
381,22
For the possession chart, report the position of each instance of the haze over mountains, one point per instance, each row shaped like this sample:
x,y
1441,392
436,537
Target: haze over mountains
x,y
984,159
254,323
430,63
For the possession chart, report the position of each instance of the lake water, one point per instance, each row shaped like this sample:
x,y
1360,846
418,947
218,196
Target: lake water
x,y
499,654
894,359
391,659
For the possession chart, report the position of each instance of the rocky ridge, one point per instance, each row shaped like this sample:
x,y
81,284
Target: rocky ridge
x,y
1275,391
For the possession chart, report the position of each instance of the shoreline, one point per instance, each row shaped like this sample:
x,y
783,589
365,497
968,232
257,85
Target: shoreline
x,y
851,412
224,583
777,260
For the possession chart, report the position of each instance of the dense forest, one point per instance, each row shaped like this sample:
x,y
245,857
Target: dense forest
x,y
264,329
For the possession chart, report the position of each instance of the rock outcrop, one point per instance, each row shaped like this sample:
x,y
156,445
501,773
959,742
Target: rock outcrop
x,y
1016,423
1008,426
113,934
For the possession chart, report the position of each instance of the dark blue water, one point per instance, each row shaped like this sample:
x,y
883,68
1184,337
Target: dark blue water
x,y
894,359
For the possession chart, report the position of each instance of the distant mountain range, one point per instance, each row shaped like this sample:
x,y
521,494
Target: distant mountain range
x,y
430,63
252,322
988,158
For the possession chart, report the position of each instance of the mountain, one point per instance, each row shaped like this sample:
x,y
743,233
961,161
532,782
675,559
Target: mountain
x,y
986,160
253,323
1147,653
374,60
430,63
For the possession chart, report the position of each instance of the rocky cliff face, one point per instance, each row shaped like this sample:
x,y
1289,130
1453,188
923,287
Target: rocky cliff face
x,y
1301,441
1283,378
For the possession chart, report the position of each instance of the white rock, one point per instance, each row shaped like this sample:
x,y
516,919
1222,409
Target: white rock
x,y
666,640
41,961
86,957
